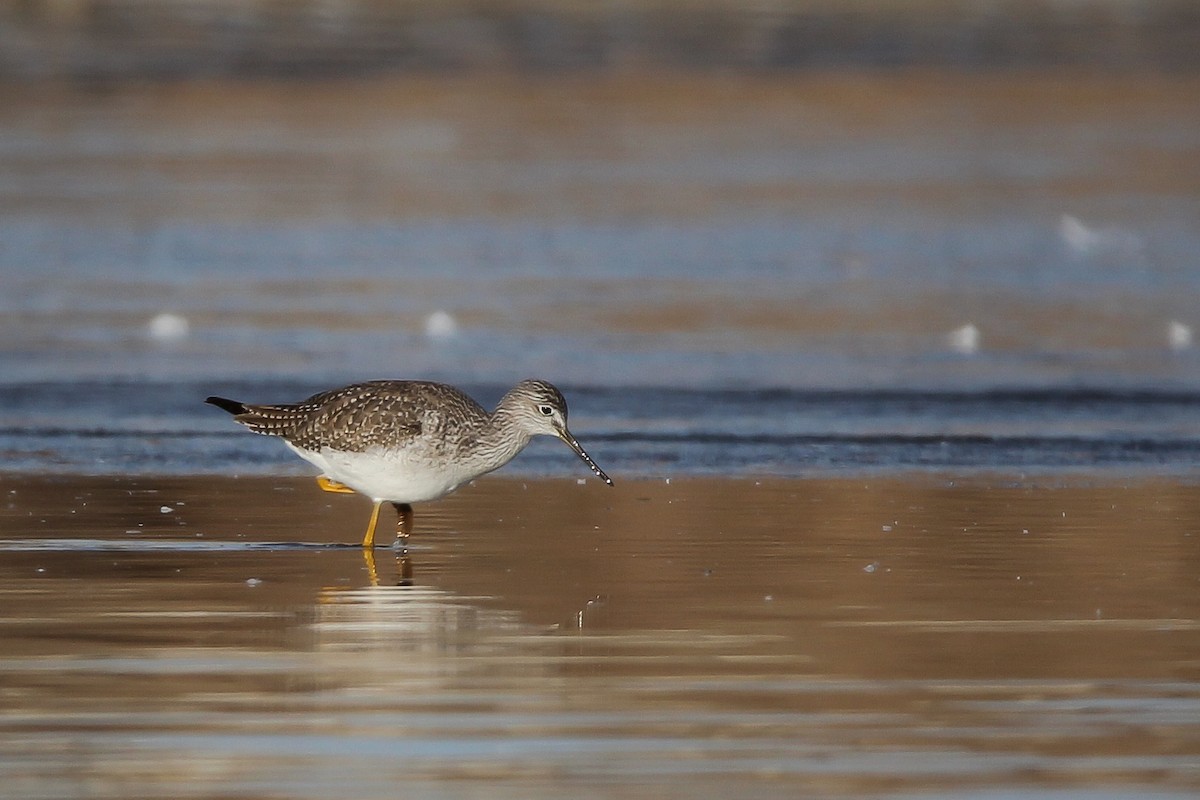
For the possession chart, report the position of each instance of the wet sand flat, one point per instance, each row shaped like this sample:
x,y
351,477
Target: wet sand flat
x,y
210,637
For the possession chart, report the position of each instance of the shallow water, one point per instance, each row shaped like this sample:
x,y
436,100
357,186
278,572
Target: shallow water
x,y
774,274
810,231
703,638
129,428
941,325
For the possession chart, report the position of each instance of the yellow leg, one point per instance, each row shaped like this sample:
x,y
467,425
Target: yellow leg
x,y
369,538
330,485
369,560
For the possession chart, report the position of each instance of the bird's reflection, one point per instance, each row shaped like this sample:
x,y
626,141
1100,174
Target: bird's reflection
x,y
398,629
400,633
397,569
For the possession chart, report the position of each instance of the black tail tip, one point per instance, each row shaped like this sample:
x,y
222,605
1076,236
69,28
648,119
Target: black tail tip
x,y
232,406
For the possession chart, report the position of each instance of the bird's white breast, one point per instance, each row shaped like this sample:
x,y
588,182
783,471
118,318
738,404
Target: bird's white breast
x,y
391,475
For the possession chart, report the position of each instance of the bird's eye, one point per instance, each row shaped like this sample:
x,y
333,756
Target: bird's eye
x,y
546,410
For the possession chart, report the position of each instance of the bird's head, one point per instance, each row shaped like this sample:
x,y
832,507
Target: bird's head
x,y
537,408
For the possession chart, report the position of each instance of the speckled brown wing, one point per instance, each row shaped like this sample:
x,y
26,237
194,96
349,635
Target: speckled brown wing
x,y
361,416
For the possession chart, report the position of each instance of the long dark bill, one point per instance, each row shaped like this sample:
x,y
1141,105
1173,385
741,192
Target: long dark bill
x,y
579,451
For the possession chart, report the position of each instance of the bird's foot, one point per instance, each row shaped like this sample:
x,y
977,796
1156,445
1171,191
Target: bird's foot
x,y
330,485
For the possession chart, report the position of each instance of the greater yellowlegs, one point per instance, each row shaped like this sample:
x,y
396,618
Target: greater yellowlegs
x,y
403,442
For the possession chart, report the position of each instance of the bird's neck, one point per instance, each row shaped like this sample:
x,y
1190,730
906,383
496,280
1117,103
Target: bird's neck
x,y
502,438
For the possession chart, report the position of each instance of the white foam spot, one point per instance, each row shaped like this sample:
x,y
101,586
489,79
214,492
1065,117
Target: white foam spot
x,y
964,340
441,325
1179,335
1077,236
1083,239
168,327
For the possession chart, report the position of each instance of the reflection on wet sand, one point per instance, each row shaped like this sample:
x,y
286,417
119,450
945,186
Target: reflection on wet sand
x,y
404,637
401,576
547,639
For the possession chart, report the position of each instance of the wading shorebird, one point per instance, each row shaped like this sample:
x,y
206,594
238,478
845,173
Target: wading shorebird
x,y
404,442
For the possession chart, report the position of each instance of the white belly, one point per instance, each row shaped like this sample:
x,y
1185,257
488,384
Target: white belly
x,y
384,475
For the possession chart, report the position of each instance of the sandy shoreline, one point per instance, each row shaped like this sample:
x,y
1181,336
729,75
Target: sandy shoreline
x,y
162,504
501,535
197,637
